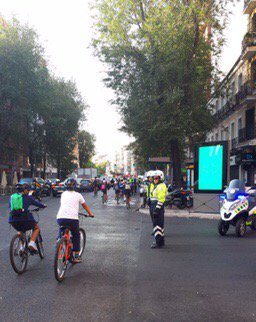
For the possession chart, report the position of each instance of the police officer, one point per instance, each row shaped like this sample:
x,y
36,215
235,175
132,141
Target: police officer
x,y
157,201
149,191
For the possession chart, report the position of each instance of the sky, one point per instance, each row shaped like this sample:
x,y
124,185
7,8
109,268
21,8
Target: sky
x,y
64,29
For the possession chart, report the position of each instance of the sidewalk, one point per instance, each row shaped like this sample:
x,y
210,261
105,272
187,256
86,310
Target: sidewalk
x,y
184,214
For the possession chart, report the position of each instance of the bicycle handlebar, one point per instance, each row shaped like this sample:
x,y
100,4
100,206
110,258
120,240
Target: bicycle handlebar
x,y
83,215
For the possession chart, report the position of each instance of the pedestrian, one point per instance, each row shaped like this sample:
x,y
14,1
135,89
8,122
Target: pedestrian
x,y
150,187
157,201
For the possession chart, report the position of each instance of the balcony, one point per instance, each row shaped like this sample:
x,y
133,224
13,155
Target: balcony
x,y
246,94
244,135
249,45
249,5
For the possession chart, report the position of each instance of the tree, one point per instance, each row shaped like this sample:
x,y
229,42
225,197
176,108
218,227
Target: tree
x,y
40,114
62,123
23,75
86,145
101,168
160,66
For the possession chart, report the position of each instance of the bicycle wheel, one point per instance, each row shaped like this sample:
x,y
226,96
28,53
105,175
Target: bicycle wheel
x,y
60,260
40,246
82,240
18,254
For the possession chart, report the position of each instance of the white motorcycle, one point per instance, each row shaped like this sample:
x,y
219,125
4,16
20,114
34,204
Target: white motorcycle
x,y
238,208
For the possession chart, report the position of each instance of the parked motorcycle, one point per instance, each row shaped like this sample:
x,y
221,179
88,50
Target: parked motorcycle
x,y
238,208
180,198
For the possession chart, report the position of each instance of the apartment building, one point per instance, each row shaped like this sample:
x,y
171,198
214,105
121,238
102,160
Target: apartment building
x,y
233,106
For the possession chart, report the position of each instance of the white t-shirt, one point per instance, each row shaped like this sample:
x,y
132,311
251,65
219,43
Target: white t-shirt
x,y
69,205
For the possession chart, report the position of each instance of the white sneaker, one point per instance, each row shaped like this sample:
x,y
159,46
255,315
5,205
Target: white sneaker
x,y
32,246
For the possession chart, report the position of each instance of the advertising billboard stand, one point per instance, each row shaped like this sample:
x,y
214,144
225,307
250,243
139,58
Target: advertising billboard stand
x,y
211,173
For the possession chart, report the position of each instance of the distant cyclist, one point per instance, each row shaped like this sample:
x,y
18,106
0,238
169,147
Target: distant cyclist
x,y
95,186
117,190
128,194
68,214
20,217
104,190
121,186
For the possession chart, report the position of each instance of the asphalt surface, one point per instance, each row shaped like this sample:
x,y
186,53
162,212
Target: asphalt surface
x,y
198,276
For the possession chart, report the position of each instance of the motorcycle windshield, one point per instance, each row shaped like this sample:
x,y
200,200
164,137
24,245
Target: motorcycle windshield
x,y
236,187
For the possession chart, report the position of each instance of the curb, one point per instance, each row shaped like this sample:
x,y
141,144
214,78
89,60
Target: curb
x,y
185,214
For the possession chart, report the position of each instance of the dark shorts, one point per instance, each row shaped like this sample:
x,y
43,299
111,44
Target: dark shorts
x,y
23,226
128,194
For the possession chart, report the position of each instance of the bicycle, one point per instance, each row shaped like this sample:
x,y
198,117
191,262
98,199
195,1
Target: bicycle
x,y
95,191
117,198
19,250
64,250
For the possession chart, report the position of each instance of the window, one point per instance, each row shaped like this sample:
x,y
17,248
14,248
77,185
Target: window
x,y
232,89
240,82
217,136
222,100
217,105
232,131
239,125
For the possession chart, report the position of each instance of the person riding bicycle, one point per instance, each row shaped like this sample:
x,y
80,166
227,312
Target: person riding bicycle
x,y
121,186
20,217
95,185
117,190
127,192
104,190
68,214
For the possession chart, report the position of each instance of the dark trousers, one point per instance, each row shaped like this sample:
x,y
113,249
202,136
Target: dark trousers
x,y
159,227
74,227
151,211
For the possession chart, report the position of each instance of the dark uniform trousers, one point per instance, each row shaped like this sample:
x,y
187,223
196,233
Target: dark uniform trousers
x,y
151,211
158,225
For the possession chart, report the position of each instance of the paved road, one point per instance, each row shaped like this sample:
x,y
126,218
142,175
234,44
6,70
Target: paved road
x,y
199,276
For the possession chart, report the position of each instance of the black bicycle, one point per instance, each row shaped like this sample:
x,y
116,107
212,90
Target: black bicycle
x,y
64,250
20,252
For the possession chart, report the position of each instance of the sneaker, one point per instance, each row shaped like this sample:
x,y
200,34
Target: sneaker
x,y
155,245
77,260
32,246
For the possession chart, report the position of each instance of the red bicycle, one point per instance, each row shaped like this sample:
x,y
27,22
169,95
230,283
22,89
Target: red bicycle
x,y
64,250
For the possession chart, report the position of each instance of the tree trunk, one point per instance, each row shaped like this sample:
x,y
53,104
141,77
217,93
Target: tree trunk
x,y
44,162
176,162
31,161
58,165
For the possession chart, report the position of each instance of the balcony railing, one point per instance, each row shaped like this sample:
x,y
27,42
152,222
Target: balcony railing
x,y
244,135
249,5
247,91
249,45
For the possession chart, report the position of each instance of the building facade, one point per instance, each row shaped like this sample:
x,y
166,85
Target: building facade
x,y
233,106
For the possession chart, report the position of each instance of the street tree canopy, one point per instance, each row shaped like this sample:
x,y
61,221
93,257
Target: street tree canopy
x,y
40,113
162,61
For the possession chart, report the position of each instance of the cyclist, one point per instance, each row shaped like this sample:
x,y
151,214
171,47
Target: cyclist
x,y
121,186
127,193
117,191
20,218
104,190
68,214
95,186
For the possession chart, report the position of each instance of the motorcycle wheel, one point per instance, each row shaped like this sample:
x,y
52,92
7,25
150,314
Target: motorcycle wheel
x,y
240,227
222,227
182,206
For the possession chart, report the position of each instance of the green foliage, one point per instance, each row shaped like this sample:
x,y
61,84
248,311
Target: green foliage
x,y
160,66
40,114
101,168
86,145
